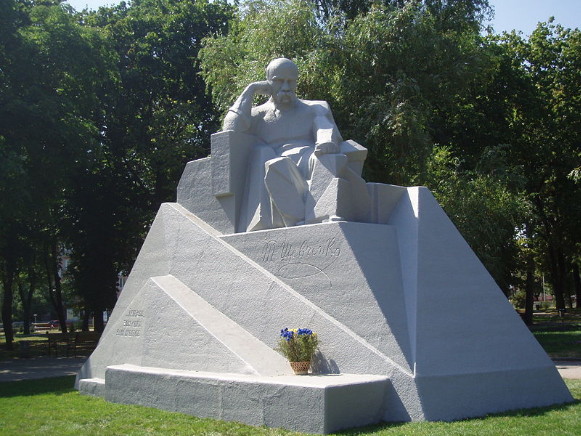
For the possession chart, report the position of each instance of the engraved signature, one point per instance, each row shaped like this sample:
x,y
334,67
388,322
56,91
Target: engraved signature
x,y
286,251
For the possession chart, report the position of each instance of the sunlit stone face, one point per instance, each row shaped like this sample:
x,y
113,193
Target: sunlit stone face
x,y
282,74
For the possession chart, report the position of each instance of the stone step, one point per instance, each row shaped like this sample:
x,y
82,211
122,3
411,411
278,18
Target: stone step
x,y
92,386
312,403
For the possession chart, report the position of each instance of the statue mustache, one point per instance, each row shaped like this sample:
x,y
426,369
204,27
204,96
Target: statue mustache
x,y
282,95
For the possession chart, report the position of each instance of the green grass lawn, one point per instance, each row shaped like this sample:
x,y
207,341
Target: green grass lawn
x,y
559,335
560,344
53,407
553,317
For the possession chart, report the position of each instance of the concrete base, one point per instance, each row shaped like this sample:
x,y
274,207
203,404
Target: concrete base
x,y
92,386
406,300
313,404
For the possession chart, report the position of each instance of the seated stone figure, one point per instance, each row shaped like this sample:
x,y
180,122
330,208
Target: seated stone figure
x,y
300,170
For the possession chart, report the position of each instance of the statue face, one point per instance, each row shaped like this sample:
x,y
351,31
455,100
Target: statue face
x,y
284,84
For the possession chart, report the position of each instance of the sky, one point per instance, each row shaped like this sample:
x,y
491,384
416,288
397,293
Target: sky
x,y
521,15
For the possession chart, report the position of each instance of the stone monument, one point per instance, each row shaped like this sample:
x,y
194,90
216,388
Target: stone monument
x,y
278,229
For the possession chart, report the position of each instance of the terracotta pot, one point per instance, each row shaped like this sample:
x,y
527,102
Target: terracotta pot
x,y
300,368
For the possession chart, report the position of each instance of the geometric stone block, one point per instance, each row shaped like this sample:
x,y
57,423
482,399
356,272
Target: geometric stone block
x,y
229,157
331,265
194,193
453,345
472,353
213,187
207,339
94,387
406,301
355,153
321,404
384,199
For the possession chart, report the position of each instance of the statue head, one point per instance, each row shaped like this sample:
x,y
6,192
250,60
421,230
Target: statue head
x,y
282,74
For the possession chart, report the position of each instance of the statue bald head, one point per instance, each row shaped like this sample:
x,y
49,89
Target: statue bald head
x,y
282,75
281,65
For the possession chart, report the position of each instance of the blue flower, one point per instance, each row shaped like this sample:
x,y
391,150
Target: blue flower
x,y
287,334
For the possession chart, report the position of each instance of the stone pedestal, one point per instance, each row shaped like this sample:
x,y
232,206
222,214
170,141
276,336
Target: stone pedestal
x,y
406,314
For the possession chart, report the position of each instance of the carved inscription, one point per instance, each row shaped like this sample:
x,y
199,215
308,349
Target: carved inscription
x,y
132,324
300,252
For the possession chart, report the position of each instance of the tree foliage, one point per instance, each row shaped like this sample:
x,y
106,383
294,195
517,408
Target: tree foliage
x,y
52,70
546,118
100,111
386,74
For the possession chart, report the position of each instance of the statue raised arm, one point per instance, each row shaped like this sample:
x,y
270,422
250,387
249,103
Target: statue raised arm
x,y
239,115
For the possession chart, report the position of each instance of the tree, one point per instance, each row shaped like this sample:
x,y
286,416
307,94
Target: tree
x,y
156,116
53,71
99,113
17,202
487,210
547,121
453,13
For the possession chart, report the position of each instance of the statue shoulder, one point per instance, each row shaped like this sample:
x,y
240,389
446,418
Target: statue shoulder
x,y
320,107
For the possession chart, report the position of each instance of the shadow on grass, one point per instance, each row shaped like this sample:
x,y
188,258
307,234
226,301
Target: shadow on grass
x,y
54,385
34,348
520,413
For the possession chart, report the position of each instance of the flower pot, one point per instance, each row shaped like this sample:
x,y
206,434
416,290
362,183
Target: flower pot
x,y
300,368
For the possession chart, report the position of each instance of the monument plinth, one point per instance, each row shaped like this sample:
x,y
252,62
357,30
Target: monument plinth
x,y
412,326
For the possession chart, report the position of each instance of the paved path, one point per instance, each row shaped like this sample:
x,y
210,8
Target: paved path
x,y
43,367
39,367
569,369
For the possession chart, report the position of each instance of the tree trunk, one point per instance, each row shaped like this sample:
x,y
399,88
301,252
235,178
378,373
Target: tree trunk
x,y
98,321
54,284
529,290
25,307
26,297
558,274
7,301
86,316
577,284
555,253
568,296
32,283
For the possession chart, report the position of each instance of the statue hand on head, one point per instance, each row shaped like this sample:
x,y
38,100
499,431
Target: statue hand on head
x,y
326,148
263,87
